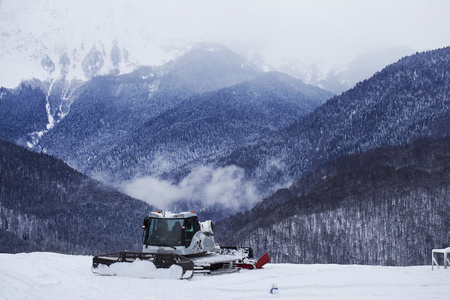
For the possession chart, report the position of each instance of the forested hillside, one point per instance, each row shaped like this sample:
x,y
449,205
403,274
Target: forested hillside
x,y
205,127
47,206
388,206
406,101
107,110
163,123
22,111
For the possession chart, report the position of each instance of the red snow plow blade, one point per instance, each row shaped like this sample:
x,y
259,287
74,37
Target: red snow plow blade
x,y
258,265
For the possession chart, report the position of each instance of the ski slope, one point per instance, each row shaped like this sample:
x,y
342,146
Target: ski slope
x,y
56,276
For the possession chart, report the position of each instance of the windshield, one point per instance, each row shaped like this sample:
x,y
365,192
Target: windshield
x,y
165,232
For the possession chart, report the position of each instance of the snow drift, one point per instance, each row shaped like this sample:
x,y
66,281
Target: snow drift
x,y
57,276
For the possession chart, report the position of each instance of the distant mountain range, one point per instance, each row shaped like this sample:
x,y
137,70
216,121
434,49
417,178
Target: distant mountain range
x,y
212,132
406,101
161,122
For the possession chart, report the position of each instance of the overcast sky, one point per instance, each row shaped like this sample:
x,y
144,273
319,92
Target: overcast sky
x,y
317,30
310,30
313,30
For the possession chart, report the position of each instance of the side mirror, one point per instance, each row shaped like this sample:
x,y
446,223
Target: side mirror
x,y
146,222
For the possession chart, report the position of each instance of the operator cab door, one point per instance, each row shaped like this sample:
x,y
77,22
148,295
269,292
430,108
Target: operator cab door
x,y
191,226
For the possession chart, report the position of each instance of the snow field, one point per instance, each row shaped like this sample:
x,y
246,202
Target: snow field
x,y
57,276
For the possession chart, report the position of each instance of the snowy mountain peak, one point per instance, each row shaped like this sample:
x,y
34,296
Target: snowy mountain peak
x,y
65,48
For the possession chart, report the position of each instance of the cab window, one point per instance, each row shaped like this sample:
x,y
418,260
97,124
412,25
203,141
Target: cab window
x,y
192,226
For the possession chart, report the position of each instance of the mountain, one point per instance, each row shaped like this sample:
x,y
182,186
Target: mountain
x,y
406,101
47,206
387,206
179,133
208,67
165,122
33,108
22,111
208,126
40,41
340,79
108,108
379,149
168,122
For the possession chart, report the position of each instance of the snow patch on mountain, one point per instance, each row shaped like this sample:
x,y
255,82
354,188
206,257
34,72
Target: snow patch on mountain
x,y
36,135
64,47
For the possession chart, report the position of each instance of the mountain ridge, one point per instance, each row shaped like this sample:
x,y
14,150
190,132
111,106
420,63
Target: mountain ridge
x,y
366,208
403,102
47,206
175,137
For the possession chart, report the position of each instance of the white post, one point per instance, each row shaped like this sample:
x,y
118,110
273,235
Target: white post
x,y
445,260
432,259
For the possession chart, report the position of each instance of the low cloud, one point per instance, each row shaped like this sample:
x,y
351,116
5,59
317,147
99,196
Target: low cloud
x,y
226,186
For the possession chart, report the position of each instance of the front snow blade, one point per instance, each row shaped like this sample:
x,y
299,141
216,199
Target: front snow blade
x,y
262,261
160,260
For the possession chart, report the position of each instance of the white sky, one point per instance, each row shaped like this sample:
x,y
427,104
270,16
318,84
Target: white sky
x,y
333,32
319,30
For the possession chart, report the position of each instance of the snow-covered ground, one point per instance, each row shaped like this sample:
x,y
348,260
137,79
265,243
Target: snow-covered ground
x,y
57,276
